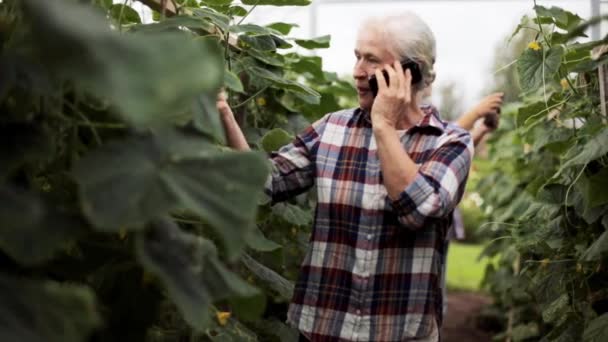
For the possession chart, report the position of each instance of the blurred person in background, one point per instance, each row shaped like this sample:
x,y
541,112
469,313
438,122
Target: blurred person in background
x,y
480,120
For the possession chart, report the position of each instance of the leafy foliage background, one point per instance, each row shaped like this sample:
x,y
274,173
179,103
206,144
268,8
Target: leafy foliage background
x,y
123,216
545,193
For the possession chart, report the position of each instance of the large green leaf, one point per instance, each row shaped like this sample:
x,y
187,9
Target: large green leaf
x,y
284,28
126,184
219,19
292,213
257,42
310,65
275,139
268,57
189,267
523,332
561,18
595,148
257,241
590,188
252,28
544,137
315,43
207,118
232,81
556,309
278,2
31,230
280,82
597,330
124,14
537,68
579,31
34,311
130,70
599,247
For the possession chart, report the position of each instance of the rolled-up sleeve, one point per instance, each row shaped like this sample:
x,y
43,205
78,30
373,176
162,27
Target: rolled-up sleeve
x,y
293,166
439,185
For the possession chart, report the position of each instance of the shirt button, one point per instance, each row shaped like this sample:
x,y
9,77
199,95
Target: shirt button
x,y
369,236
358,312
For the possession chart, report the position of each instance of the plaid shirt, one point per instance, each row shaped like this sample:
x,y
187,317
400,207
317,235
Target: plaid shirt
x,y
372,269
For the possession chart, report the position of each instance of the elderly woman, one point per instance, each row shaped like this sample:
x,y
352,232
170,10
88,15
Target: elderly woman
x,y
388,175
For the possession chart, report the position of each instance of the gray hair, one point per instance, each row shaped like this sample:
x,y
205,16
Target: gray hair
x,y
413,39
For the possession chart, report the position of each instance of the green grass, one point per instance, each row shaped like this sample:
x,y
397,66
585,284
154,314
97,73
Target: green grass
x,y
464,271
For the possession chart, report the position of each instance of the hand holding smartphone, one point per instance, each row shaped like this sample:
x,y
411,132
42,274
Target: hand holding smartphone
x,y
406,64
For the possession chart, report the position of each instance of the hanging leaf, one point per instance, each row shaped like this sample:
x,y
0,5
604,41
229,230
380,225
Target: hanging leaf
x,y
599,247
522,332
268,57
206,117
154,174
597,330
280,82
189,267
258,242
556,309
315,43
31,230
277,2
46,311
127,69
310,65
252,28
257,42
563,19
595,148
219,19
232,82
537,67
275,139
292,214
124,14
284,28
590,186
238,11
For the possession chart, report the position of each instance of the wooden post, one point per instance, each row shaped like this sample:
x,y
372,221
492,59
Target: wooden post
x,y
597,53
157,5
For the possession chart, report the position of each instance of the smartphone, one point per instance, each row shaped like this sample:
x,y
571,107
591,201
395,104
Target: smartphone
x,y
407,64
491,120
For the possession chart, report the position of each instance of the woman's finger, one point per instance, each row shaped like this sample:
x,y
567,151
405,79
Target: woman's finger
x,y
380,79
407,88
392,76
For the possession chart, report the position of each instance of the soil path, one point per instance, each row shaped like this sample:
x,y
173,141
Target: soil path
x,y
459,322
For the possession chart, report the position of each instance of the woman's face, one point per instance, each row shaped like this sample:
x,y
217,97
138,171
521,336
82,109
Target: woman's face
x,y
371,52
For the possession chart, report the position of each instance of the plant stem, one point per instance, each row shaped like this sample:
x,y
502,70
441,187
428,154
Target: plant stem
x,y
107,125
250,98
87,122
248,12
124,4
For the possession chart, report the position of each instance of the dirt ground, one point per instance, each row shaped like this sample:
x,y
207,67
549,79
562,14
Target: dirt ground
x,y
459,324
